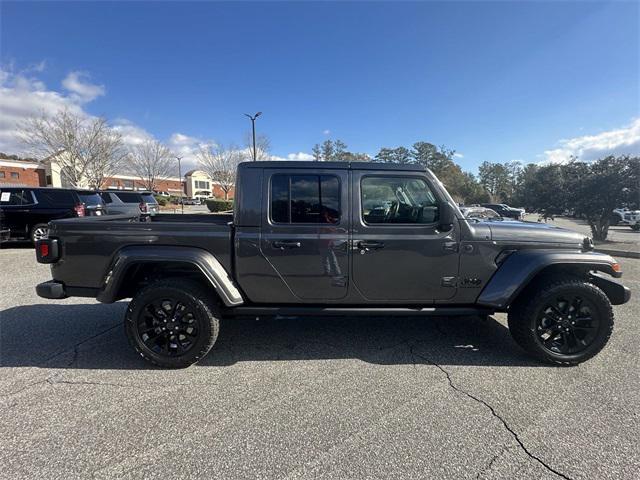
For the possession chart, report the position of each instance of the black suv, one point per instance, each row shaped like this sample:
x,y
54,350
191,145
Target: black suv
x,y
505,210
26,211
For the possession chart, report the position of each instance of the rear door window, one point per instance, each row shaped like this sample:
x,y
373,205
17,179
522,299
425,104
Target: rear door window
x,y
56,198
128,197
305,199
15,197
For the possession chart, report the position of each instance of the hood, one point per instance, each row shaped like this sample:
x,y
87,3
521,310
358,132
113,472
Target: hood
x,y
533,232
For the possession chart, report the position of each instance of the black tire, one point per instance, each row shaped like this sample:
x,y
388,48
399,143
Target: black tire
x,y
191,312
635,227
533,324
39,231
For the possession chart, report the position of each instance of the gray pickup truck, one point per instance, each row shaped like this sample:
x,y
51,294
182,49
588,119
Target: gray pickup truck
x,y
323,238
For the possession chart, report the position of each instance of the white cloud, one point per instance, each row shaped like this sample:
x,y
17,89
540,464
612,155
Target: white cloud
x,y
132,134
294,156
187,147
326,132
458,155
81,90
621,141
21,97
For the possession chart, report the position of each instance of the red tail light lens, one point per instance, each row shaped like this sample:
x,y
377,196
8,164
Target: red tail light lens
x,y
44,249
79,209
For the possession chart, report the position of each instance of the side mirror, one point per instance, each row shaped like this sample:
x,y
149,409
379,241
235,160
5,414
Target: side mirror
x,y
446,215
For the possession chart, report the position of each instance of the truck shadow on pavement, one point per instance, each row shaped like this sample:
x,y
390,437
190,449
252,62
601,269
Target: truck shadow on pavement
x,y
91,336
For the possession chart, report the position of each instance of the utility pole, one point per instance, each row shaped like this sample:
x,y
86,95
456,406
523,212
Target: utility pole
x,y
181,187
253,127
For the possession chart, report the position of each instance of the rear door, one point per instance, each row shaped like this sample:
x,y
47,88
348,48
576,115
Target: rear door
x,y
399,251
14,207
305,231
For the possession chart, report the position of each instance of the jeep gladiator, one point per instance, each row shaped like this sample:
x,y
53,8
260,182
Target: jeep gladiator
x,y
324,238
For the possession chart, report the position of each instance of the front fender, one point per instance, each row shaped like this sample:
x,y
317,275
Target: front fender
x,y
210,267
519,268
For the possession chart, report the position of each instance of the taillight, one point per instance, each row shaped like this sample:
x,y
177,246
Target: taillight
x,y
79,209
47,250
143,207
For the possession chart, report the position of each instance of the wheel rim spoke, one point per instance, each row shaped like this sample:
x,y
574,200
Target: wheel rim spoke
x,y
567,325
168,327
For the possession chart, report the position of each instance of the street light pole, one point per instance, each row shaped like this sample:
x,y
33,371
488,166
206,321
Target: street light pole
x,y
181,188
253,128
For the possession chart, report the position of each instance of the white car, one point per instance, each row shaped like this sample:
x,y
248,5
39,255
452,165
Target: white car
x,y
624,216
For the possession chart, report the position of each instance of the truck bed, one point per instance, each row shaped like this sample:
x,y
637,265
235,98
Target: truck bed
x,y
90,244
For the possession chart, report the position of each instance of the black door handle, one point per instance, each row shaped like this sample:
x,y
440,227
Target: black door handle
x,y
282,244
370,245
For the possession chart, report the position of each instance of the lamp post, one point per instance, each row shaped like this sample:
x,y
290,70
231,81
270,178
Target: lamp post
x,y
253,128
181,188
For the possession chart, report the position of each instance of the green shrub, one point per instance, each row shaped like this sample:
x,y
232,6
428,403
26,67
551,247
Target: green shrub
x,y
174,199
162,201
218,205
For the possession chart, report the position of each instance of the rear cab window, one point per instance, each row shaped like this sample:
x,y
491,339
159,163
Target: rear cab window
x,y
305,199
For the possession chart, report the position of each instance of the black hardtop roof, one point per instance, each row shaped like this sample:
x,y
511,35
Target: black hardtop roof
x,y
66,189
301,164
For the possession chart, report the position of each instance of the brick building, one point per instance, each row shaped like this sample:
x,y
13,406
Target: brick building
x,y
21,173
48,174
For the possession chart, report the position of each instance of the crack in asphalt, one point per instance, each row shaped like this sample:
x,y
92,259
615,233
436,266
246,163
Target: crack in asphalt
x,y
73,360
513,433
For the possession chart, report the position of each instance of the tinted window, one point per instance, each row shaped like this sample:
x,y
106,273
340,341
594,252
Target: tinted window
x,y
148,198
56,198
128,197
90,198
305,199
106,197
397,200
15,197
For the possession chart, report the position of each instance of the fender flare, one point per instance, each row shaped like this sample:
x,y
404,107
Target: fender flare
x,y
210,267
519,268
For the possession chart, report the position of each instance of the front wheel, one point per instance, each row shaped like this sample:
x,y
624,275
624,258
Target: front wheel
x,y
565,322
635,227
172,323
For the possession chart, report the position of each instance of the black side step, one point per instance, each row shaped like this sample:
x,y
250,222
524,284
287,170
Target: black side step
x,y
294,311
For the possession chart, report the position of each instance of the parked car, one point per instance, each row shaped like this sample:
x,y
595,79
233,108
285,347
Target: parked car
x,y
27,211
332,238
624,216
126,202
162,194
191,201
505,210
480,213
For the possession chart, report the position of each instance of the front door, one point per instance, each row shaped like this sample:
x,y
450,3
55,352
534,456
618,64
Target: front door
x,y
400,253
304,235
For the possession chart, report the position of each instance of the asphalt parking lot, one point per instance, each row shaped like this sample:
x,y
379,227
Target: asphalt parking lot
x,y
306,398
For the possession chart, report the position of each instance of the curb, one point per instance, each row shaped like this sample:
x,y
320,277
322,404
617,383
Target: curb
x,y
618,253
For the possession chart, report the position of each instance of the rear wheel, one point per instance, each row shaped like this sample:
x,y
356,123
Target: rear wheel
x,y
39,231
172,323
635,226
565,322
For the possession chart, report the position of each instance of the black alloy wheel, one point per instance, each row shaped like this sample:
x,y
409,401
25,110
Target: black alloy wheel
x,y
567,325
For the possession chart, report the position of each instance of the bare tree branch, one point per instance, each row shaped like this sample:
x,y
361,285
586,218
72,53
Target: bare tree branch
x,y
151,161
220,163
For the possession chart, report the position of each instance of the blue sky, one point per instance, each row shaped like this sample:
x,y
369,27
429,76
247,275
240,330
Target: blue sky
x,y
495,81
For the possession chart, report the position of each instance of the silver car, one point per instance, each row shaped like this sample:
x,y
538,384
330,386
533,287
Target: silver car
x,y
119,202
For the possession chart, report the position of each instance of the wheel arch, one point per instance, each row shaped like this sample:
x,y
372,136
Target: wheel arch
x,y
132,265
523,268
